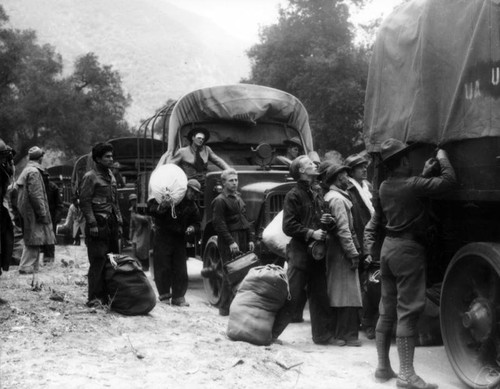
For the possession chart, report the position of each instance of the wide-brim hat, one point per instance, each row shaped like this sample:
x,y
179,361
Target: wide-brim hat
x,y
196,130
35,153
334,170
194,184
324,166
392,148
294,141
355,160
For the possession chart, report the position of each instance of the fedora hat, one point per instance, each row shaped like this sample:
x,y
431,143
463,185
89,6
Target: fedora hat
x,y
35,153
355,160
294,141
392,148
333,171
197,130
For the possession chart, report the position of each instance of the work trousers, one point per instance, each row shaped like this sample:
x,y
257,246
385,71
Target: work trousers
x,y
347,319
314,278
30,259
97,250
227,291
169,263
402,270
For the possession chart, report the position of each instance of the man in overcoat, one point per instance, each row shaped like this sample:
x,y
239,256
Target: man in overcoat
x,y
34,208
342,259
402,205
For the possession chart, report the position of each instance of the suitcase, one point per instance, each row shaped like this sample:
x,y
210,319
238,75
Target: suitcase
x,y
237,268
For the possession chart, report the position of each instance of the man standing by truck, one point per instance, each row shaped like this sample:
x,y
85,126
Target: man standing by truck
x,y
403,255
99,203
233,230
302,219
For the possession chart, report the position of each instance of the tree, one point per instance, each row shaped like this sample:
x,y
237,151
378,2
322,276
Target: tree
x,y
310,54
39,106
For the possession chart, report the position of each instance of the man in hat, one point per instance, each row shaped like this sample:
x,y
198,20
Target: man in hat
x,y
99,204
34,208
403,256
294,149
233,229
169,247
193,159
342,259
359,190
140,232
6,225
302,221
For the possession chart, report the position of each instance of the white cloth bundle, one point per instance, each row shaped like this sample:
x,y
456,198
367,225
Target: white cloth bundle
x,y
168,183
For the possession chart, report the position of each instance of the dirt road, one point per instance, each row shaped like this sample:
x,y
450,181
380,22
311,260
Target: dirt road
x,y
47,343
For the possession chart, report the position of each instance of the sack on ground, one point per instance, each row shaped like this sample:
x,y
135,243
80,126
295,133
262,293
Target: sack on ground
x,y
274,238
260,296
127,286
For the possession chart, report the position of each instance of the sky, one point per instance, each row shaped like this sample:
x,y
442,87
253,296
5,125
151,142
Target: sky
x,y
243,18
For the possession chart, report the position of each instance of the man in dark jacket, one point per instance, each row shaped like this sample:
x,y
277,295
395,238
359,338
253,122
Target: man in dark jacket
x,y
6,225
302,218
99,204
233,230
403,256
55,208
169,247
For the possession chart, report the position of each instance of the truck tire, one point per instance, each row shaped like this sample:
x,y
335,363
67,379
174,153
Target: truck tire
x,y
470,310
211,260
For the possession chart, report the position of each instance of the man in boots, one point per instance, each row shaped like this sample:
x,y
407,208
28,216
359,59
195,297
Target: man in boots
x,y
403,255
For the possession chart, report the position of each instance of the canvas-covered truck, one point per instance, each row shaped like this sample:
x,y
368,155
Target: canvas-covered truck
x,y
248,125
434,79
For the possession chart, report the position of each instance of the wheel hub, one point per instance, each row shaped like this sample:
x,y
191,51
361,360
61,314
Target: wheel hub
x,y
479,319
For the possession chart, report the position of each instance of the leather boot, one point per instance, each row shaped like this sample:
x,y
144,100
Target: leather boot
x,y
384,370
407,377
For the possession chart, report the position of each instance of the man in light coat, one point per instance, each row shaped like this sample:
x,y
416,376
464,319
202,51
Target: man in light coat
x,y
342,259
33,206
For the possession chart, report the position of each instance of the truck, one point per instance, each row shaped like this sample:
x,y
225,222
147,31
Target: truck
x,y
434,80
248,125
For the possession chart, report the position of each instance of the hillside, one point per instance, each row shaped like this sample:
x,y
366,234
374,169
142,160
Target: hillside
x,y
161,51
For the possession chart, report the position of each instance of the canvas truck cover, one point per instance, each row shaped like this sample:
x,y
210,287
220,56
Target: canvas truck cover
x,y
435,73
239,102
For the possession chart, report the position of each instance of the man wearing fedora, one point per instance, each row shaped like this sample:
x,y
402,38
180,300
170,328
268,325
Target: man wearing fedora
x,y
302,221
169,247
193,159
34,208
342,259
403,255
360,192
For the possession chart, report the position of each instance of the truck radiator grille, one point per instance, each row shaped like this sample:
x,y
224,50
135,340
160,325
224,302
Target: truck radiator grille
x,y
275,202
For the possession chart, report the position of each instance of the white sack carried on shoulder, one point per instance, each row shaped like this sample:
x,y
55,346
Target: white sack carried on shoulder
x,y
274,238
168,183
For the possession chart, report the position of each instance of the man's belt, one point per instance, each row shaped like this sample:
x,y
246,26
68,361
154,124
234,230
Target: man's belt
x,y
404,235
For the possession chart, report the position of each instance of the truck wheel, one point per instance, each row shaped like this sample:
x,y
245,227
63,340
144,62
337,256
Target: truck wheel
x,y
470,310
211,259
